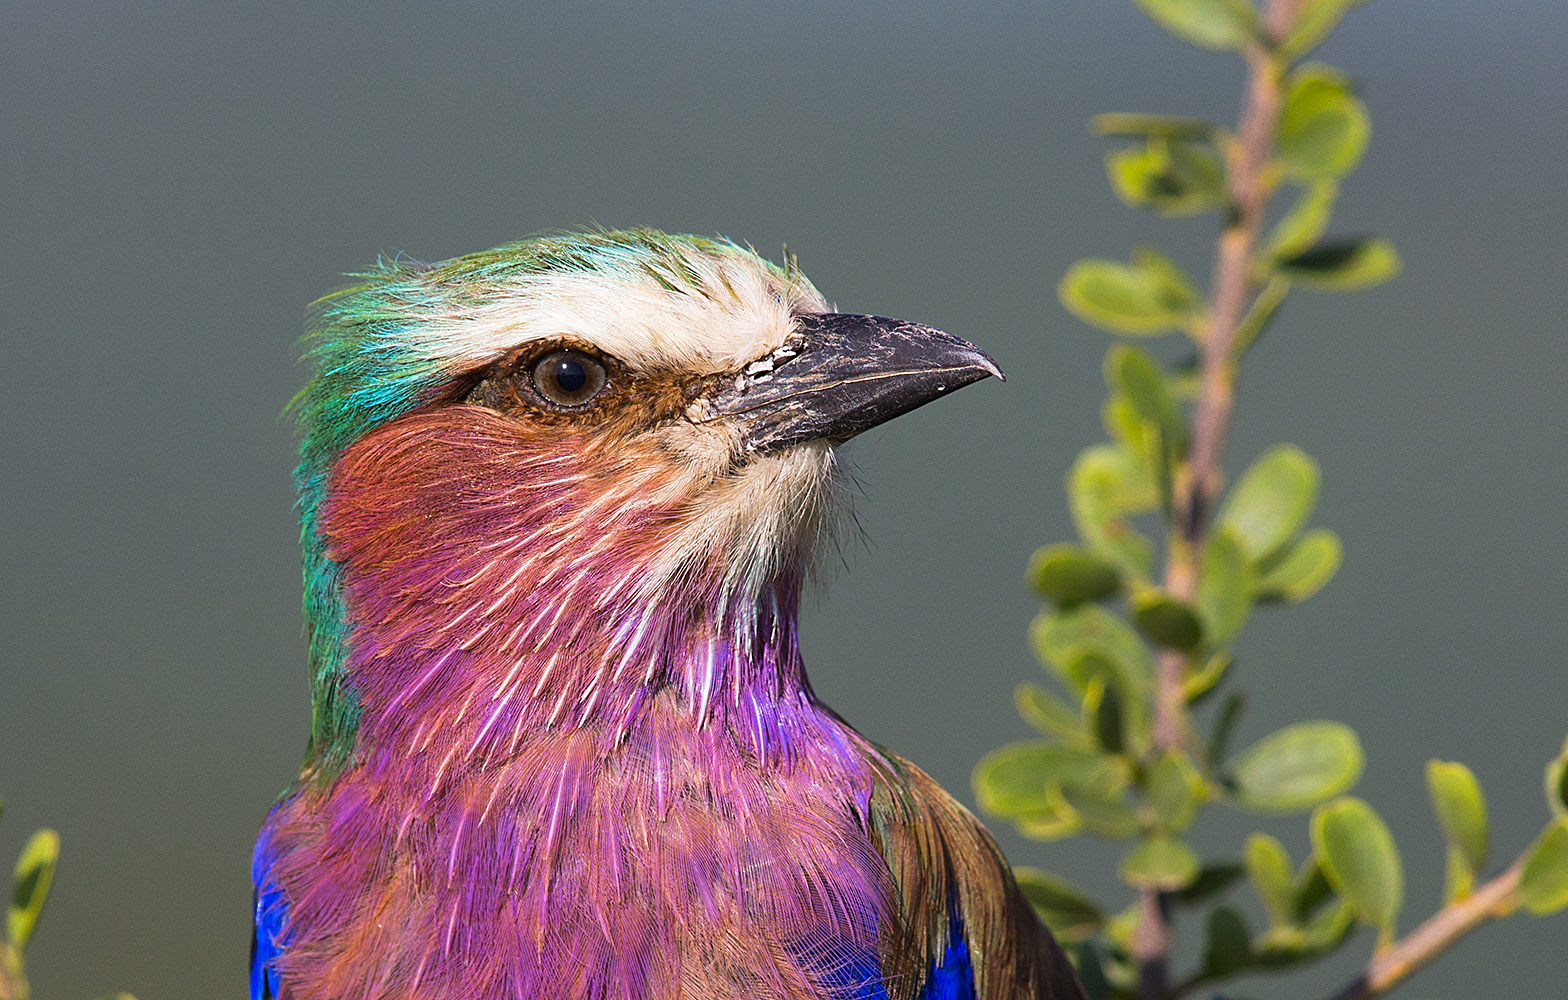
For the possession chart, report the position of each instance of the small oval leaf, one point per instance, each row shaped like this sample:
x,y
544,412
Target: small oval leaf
x,y
30,882
1106,484
1056,823
1359,857
1316,20
1162,863
1323,127
1139,377
1013,781
1166,620
1071,575
1174,791
1153,126
1302,569
1048,713
1173,178
1268,866
1102,811
1303,225
1543,884
1224,587
1557,784
1208,24
1117,297
1271,502
1461,810
1102,706
1229,947
1343,264
1062,637
1225,724
1297,767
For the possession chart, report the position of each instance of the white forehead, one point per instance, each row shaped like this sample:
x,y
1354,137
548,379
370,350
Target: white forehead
x,y
714,313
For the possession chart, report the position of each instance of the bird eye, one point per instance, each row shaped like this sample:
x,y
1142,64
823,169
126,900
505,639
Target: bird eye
x,y
568,378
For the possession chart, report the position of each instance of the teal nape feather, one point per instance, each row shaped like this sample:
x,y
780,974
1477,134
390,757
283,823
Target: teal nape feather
x,y
373,357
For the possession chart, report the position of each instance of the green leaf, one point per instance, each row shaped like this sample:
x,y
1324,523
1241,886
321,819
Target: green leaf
x,y
1166,620
1302,569
1268,866
1229,947
1343,264
1062,638
1543,884
1153,126
1160,862
1055,822
1138,376
1224,587
1124,424
1323,127
1225,724
1557,784
1070,575
1105,484
1022,780
1303,225
1259,315
1461,812
1287,945
1271,502
1014,780
1209,24
1069,914
1361,861
1091,972
1170,177
1048,713
1104,811
1314,24
1120,297
1198,685
1174,791
1297,767
1102,710
1211,881
1173,282
1312,888
30,882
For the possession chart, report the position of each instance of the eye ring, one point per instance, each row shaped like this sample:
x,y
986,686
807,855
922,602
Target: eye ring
x,y
568,379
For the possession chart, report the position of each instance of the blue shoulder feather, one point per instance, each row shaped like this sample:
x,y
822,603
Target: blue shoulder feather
x,y
270,933
951,977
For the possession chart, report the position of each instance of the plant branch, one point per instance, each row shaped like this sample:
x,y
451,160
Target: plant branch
x,y
13,983
1199,479
1391,966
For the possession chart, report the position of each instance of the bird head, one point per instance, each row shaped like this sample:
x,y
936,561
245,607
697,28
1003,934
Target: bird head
x,y
543,482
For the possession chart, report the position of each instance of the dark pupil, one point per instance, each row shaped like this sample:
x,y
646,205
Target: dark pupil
x,y
570,375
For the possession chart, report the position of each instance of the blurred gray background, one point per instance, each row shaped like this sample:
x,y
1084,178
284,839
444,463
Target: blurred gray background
x,y
178,180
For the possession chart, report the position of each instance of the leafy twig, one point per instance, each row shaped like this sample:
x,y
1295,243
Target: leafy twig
x,y
1200,479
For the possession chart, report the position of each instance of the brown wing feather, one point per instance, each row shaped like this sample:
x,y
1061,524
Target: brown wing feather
x,y
939,853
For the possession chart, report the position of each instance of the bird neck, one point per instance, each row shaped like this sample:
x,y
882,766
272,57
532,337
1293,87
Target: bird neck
x,y
461,597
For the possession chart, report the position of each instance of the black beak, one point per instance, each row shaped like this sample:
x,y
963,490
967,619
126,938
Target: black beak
x,y
843,374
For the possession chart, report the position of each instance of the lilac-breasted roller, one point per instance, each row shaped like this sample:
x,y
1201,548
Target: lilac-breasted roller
x,y
558,502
